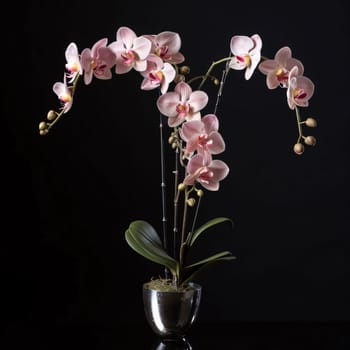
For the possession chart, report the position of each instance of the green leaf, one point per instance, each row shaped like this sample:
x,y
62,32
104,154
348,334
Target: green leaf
x,y
192,271
207,225
144,239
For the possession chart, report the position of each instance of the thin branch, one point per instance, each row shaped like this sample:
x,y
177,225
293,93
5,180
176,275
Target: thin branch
x,y
163,189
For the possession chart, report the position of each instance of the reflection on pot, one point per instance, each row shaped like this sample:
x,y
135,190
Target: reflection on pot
x,y
181,344
171,314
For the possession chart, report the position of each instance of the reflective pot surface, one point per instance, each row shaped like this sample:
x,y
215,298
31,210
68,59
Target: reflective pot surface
x,y
171,314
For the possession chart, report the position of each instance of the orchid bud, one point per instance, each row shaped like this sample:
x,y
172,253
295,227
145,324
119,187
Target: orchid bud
x,y
171,139
298,148
185,69
43,132
311,122
179,77
200,193
51,115
310,140
181,186
191,202
216,81
42,126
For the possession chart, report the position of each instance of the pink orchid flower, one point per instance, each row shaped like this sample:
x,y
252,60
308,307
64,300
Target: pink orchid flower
x,y
167,45
131,51
300,89
98,61
247,53
277,70
64,94
202,135
73,65
157,74
206,171
182,104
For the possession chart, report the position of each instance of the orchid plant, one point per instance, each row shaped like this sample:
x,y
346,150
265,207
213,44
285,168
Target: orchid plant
x,y
193,133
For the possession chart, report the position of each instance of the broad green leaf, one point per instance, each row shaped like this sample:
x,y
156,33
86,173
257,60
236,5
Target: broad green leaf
x,y
207,225
191,271
144,239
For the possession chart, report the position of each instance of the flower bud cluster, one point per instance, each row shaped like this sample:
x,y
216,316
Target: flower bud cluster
x,y
309,140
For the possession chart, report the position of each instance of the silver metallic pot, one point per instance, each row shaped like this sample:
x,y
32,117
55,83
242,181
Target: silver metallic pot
x,y
171,314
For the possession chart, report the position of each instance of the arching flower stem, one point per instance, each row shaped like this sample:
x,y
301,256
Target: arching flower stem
x,y
212,77
222,82
59,115
215,63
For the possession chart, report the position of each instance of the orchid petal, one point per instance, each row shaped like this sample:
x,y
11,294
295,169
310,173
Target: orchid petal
x,y
268,66
142,47
211,186
272,81
176,58
241,45
294,62
218,144
126,36
170,39
173,122
97,45
283,55
220,170
140,66
107,56
190,128
194,116
167,104
169,74
184,90
237,64
211,123
198,100
196,162
71,51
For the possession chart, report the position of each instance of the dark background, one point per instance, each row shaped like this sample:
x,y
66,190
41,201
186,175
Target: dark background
x,y
68,197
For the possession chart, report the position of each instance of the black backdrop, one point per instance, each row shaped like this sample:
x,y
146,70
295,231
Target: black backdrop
x,y
68,197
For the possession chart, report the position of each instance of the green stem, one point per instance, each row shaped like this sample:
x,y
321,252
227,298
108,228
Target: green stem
x,y
163,189
215,63
299,122
183,231
188,239
176,200
212,77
